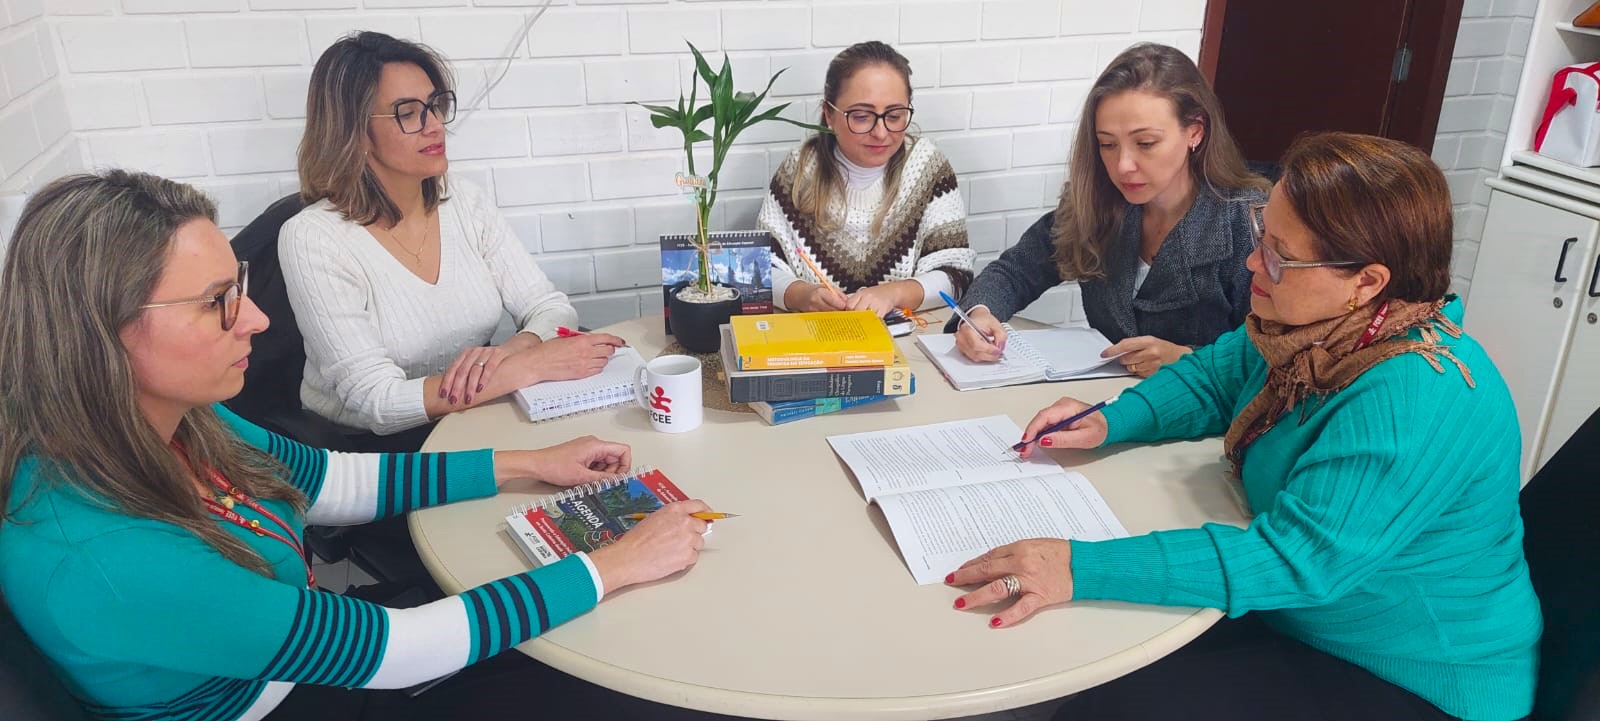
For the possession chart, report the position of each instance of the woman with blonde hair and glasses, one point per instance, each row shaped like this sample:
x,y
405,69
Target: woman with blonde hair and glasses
x,y
151,542
398,273
867,217
1152,222
1382,575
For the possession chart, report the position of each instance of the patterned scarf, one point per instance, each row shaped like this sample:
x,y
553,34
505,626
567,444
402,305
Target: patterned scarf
x,y
1323,358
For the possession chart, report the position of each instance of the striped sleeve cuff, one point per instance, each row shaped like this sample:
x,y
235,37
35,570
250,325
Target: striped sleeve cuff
x,y
408,481
504,613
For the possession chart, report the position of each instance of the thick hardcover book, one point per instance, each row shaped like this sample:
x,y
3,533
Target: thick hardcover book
x,y
780,412
587,517
740,259
834,339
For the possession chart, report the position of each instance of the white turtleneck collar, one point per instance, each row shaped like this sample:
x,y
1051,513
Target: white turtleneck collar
x,y
857,177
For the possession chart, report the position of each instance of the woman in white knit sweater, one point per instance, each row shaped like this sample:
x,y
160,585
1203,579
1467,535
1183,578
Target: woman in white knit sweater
x,y
876,213
399,274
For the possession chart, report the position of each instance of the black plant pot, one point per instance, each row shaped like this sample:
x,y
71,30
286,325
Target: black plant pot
x,y
697,325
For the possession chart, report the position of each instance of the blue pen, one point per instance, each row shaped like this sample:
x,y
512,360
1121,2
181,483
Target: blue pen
x,y
1053,427
966,319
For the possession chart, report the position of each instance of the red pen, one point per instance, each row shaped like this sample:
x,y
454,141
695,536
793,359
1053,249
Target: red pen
x,y
565,332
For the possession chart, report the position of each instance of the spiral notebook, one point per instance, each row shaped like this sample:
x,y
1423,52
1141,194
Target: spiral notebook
x,y
612,387
1050,354
587,517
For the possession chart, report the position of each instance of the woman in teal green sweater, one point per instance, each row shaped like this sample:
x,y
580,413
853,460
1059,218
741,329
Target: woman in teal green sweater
x,y
151,541
1382,575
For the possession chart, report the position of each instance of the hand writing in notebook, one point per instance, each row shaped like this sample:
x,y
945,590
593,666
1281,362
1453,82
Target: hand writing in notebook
x,y
581,460
1145,354
1088,432
970,337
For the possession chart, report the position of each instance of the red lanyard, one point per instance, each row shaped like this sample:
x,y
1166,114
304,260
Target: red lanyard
x,y
1373,327
222,507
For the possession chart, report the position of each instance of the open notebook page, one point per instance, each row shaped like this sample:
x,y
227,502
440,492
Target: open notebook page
x,y
964,374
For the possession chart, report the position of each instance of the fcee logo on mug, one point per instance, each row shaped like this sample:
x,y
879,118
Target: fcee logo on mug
x,y
660,406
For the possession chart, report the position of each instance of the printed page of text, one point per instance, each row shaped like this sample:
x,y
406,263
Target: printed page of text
x,y
940,455
940,529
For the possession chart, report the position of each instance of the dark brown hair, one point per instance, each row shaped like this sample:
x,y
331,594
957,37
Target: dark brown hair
x,y
817,178
88,252
1088,218
333,150
1374,200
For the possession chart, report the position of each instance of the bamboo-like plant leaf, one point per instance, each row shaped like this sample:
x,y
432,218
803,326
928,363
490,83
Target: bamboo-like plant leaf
x,y
702,67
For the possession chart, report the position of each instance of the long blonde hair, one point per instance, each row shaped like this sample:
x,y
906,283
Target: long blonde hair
x,y
1088,218
87,252
332,158
818,182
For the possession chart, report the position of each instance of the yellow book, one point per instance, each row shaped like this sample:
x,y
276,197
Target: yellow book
x,y
836,339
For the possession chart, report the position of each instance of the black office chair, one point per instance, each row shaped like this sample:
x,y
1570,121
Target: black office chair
x,y
1561,516
271,399
29,691
1266,169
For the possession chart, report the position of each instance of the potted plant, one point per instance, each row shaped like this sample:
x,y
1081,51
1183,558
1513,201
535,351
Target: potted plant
x,y
701,306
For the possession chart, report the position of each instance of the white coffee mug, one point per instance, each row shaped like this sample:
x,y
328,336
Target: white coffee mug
x,y
668,388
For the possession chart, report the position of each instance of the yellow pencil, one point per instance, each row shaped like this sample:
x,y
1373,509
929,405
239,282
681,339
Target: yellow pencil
x,y
817,272
703,515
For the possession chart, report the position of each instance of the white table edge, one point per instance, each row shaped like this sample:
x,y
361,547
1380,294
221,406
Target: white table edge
x,y
802,708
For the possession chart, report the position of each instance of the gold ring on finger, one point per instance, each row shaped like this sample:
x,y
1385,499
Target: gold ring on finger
x,y
1012,584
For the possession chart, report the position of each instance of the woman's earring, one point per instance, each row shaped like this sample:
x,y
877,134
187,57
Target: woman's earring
x,y
1352,304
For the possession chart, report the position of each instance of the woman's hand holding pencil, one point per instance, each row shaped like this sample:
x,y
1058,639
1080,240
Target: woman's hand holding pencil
x,y
1067,423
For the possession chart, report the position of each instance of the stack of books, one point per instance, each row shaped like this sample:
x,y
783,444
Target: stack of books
x,y
792,366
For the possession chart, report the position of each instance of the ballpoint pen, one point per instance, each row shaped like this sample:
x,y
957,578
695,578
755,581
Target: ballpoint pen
x,y
968,319
1053,427
565,332
703,515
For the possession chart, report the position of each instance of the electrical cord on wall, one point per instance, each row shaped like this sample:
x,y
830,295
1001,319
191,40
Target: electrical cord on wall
x,y
508,56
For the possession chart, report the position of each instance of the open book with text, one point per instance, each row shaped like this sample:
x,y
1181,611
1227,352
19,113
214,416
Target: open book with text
x,y
952,491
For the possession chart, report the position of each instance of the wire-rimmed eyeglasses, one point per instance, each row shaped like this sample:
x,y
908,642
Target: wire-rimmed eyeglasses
x,y
1271,259
227,302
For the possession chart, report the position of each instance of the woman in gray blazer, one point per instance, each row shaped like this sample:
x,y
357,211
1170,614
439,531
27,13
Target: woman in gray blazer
x,y
1153,221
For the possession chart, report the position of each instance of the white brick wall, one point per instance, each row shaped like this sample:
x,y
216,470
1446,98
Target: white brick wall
x,y
213,91
35,120
1477,111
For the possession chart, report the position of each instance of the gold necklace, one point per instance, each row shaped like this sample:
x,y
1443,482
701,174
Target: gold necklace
x,y
416,254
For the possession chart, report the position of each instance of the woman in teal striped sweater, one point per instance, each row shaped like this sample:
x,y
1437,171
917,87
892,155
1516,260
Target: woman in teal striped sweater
x,y
150,541
1382,575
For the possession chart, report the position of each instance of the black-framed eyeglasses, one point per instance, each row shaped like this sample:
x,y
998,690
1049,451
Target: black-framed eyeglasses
x,y
1273,261
412,115
861,122
227,302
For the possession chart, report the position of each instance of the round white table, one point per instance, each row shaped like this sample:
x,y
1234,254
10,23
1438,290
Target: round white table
x,y
802,608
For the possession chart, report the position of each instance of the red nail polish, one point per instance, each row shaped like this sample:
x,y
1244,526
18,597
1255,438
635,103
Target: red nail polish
x,y
994,622
452,400
950,578
480,387
961,603
1046,442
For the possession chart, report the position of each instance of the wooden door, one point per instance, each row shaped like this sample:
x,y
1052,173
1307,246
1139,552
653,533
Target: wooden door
x,y
1525,290
1367,66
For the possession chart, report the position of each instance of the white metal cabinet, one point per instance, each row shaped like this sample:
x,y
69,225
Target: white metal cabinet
x,y
1531,281
1577,392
